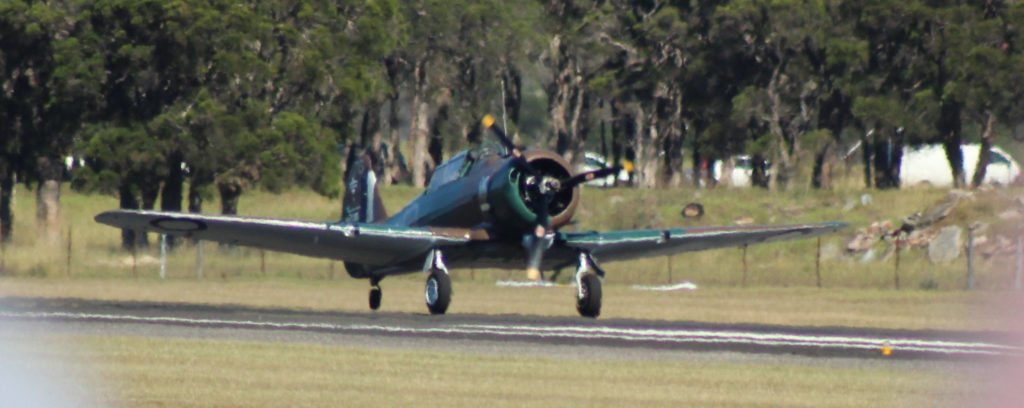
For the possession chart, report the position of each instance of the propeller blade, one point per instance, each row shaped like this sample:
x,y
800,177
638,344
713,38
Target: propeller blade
x,y
488,122
535,252
590,175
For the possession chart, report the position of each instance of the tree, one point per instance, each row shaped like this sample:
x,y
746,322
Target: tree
x,y
47,84
993,83
783,37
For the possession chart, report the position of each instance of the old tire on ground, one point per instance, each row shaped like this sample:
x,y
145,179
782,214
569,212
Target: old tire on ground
x,y
375,296
588,296
438,292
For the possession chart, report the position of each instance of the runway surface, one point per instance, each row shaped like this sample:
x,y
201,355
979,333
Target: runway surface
x,y
573,337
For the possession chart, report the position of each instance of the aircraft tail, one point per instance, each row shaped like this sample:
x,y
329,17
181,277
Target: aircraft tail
x,y
362,200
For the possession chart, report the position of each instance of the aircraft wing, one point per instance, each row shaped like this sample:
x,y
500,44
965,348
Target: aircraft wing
x,y
363,243
632,244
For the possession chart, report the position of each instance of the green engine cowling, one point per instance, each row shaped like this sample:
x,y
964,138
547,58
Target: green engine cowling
x,y
511,193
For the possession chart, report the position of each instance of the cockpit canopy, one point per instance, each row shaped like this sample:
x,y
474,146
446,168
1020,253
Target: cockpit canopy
x,y
462,162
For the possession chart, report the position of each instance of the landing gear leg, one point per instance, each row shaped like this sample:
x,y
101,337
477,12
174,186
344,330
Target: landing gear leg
x,y
588,286
438,290
375,294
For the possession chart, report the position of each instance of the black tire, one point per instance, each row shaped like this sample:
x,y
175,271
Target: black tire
x,y
438,292
375,296
588,297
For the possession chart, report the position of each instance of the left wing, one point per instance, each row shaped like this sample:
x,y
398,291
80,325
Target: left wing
x,y
632,244
363,243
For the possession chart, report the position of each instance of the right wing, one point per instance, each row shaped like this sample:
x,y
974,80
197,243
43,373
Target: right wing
x,y
370,244
633,244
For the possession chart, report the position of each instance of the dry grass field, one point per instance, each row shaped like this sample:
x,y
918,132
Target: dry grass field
x,y
136,372
779,286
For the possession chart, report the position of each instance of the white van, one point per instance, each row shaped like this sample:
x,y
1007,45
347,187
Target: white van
x,y
928,164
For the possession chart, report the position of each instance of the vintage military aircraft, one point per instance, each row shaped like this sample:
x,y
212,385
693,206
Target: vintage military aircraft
x,y
492,206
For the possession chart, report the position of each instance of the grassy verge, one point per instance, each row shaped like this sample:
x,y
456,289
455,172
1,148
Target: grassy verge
x,y
765,305
94,248
133,372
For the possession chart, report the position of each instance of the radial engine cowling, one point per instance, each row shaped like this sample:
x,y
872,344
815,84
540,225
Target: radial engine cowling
x,y
513,192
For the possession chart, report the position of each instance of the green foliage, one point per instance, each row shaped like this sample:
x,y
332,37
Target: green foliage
x,y
261,92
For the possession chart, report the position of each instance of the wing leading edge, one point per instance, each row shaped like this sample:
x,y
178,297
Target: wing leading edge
x,y
633,244
370,244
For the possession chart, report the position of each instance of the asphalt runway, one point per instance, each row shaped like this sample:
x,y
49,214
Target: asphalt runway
x,y
510,334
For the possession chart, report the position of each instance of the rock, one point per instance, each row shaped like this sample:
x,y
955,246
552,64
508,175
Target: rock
x,y
946,246
929,217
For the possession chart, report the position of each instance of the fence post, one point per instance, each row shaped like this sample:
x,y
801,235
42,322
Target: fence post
x,y
199,259
163,256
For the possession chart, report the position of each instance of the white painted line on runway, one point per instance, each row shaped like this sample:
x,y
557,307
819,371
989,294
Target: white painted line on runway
x,y
678,336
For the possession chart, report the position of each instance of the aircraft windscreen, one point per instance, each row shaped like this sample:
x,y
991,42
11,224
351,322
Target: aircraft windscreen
x,y
448,171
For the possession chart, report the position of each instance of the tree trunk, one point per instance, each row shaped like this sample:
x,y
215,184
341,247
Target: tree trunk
x,y
395,168
150,190
888,156
955,156
578,128
170,196
128,202
513,84
371,137
435,144
867,150
418,126
48,199
644,143
985,154
559,96
951,126
195,199
620,124
725,177
820,175
673,139
229,193
759,174
6,196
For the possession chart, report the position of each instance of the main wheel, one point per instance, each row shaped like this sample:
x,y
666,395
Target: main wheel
x,y
588,296
375,295
438,292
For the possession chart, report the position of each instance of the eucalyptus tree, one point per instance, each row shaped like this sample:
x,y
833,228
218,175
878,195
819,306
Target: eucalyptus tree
x,y
892,107
993,82
46,88
430,24
782,37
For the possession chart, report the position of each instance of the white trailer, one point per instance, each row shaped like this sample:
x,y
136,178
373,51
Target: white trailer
x,y
928,164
